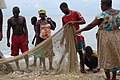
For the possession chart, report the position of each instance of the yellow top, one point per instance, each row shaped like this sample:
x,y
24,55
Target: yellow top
x,y
95,53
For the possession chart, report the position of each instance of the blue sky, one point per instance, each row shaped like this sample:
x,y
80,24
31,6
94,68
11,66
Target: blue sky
x,y
30,7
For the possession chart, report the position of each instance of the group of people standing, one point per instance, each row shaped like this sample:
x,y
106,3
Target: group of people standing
x,y
107,36
19,38
42,29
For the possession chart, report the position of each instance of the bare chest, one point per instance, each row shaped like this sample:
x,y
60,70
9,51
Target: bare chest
x,y
17,22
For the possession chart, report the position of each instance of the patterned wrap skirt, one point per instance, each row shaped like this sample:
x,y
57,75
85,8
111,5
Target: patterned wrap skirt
x,y
109,48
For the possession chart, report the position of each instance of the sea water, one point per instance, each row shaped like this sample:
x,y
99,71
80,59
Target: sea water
x,y
90,36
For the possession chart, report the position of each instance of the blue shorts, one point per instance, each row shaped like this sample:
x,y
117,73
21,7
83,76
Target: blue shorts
x,y
80,45
114,69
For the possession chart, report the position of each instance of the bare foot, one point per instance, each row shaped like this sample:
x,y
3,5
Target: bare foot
x,y
27,70
18,69
88,69
51,68
33,65
44,68
83,71
96,70
40,65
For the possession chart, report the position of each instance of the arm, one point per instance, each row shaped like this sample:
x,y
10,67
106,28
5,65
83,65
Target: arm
x,y
90,26
25,28
1,22
52,23
8,32
33,39
37,30
80,19
78,22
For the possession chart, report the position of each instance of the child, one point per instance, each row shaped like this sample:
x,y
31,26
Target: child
x,y
91,59
33,22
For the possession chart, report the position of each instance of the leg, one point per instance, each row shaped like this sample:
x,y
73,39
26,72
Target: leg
x,y
82,69
107,73
92,63
43,61
24,47
15,49
17,64
40,62
27,64
88,64
50,62
34,63
26,61
114,72
114,75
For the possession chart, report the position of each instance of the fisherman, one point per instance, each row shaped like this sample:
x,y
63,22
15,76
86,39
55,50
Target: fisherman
x,y
19,36
76,19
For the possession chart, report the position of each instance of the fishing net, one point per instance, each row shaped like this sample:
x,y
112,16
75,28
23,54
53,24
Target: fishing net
x,y
62,46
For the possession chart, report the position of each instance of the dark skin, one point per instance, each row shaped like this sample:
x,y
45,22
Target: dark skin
x,y
33,22
94,23
18,24
49,20
43,18
1,23
66,11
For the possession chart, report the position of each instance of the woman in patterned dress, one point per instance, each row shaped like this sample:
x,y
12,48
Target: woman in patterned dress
x,y
108,38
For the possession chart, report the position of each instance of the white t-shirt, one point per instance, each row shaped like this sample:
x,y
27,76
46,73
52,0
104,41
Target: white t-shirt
x,y
2,4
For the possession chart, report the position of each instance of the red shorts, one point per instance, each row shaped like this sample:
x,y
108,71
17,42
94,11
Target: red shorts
x,y
18,42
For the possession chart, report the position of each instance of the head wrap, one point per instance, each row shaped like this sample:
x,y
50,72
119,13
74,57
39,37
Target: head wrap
x,y
107,2
41,11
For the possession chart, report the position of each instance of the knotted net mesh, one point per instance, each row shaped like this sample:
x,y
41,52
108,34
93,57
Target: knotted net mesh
x,y
62,46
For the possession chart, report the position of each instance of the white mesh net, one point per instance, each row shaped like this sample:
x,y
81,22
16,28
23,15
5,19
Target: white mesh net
x,y
65,56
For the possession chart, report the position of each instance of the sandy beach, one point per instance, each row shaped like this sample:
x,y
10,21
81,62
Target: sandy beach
x,y
37,73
